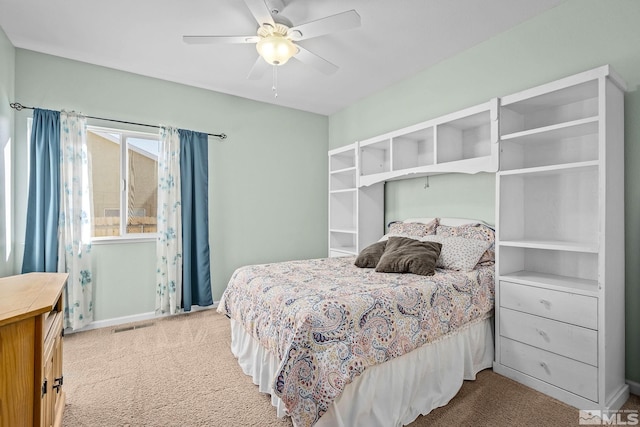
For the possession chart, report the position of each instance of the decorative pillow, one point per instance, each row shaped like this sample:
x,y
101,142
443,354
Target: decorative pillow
x,y
369,256
473,231
406,255
458,253
414,230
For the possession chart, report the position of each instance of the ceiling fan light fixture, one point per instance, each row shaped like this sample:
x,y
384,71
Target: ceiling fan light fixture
x,y
276,49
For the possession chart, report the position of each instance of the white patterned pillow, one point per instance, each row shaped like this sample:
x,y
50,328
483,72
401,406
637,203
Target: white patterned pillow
x,y
458,253
413,230
473,231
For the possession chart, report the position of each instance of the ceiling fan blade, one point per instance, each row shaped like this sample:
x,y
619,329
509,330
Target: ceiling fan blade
x,y
315,61
219,39
258,69
330,24
260,11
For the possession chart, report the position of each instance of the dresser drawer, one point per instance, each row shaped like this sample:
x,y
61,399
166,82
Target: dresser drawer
x,y
563,306
568,374
574,342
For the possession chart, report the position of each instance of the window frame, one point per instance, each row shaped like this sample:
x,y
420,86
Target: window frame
x,y
124,237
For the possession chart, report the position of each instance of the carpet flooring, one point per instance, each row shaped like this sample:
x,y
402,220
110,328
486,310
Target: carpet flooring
x,y
179,371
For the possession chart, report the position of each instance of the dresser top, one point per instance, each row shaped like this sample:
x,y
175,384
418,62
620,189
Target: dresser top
x,y
28,295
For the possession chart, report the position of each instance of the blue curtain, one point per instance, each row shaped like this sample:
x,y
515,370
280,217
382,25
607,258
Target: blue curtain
x,y
43,206
194,186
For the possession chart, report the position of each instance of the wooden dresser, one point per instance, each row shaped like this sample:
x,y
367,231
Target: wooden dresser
x,y
31,331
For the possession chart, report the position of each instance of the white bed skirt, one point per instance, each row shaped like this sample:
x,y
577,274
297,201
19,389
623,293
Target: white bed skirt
x,y
394,393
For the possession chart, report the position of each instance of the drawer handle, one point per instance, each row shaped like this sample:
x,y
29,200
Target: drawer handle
x,y
543,334
546,303
57,384
544,366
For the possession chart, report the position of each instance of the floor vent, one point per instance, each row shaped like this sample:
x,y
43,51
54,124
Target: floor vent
x,y
132,327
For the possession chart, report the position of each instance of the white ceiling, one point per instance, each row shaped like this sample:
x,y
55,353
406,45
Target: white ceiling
x,y
396,39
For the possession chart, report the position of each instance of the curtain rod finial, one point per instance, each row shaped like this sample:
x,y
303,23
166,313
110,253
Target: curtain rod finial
x,y
16,106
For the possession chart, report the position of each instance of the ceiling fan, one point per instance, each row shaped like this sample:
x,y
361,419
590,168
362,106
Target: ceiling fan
x,y
276,37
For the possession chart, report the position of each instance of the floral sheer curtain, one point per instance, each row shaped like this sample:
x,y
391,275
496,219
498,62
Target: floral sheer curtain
x,y
169,244
58,235
74,226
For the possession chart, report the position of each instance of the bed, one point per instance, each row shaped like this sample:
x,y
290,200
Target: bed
x,y
335,344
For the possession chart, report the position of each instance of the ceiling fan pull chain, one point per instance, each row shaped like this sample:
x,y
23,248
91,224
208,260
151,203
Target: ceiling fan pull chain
x,y
274,88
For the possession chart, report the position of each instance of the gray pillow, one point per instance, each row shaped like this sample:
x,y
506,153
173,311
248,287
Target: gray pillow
x,y
369,256
405,255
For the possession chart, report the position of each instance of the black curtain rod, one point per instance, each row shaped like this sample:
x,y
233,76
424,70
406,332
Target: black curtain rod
x,y
19,107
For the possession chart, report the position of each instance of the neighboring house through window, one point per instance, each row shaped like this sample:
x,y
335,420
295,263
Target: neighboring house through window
x,y
124,170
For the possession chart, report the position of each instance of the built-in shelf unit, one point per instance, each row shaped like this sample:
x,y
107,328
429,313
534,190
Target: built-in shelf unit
x,y
560,266
465,142
560,240
355,216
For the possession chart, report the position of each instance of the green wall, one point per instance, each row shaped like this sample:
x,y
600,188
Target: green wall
x,y
7,88
267,181
454,195
575,36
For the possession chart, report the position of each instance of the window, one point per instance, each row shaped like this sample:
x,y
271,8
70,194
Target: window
x,y
124,170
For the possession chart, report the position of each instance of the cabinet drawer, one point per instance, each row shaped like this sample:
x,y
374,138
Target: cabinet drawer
x,y
563,306
52,323
571,375
567,340
53,328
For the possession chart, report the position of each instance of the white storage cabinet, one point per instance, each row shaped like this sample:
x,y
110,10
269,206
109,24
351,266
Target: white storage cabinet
x,y
560,240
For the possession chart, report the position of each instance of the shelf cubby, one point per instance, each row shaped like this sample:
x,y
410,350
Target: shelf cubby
x,y
575,141
563,105
343,179
375,157
413,149
342,210
549,268
342,241
550,204
464,138
341,160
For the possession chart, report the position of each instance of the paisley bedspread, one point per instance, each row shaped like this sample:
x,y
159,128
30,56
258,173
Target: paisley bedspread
x,y
328,320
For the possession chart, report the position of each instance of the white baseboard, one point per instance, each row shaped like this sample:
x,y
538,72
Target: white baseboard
x,y
106,323
634,387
